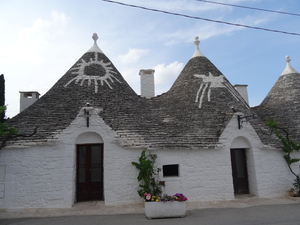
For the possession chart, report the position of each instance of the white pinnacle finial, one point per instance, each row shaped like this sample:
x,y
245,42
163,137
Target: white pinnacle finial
x,y
197,42
197,51
288,69
95,47
95,37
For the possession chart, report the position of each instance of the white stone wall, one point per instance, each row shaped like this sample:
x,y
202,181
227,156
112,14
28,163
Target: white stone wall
x,y
204,174
267,170
40,176
44,176
36,177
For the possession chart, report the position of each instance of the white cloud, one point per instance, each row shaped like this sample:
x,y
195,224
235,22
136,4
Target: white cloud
x,y
40,26
31,41
59,18
165,76
186,5
29,48
133,55
133,79
163,73
208,30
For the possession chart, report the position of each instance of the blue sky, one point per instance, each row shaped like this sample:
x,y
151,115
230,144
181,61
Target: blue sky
x,y
40,40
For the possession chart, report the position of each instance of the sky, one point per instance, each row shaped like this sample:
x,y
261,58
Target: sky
x,y
40,40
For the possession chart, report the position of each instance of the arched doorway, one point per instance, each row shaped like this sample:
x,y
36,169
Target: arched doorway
x,y
238,155
89,167
239,171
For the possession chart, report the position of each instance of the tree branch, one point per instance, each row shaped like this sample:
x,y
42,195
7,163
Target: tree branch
x,y
9,137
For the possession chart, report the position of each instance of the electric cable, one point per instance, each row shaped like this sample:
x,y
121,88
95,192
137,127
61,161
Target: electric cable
x,y
201,18
247,7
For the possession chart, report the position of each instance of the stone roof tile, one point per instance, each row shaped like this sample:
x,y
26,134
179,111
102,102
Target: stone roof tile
x,y
192,114
282,102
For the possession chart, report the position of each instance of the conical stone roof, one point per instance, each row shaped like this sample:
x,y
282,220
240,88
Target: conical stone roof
x,y
192,114
201,100
282,102
92,79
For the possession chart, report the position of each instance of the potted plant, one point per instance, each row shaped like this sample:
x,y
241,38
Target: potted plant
x,y
165,206
148,175
150,189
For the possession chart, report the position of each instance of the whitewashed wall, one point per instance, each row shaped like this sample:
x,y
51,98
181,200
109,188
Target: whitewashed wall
x,y
40,176
43,176
204,174
268,173
36,177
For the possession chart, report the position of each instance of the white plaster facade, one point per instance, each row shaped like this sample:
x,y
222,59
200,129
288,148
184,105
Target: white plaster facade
x,y
44,175
268,173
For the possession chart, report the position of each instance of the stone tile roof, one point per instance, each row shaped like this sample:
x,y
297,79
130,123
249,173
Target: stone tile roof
x,y
192,114
54,111
283,102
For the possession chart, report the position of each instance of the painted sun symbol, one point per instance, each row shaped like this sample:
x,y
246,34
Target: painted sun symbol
x,y
94,70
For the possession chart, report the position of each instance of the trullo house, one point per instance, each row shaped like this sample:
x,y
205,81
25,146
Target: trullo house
x,y
91,125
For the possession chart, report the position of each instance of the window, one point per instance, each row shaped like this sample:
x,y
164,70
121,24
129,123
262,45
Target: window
x,y
171,170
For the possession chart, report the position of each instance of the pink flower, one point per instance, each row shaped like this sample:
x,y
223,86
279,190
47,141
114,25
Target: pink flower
x,y
148,197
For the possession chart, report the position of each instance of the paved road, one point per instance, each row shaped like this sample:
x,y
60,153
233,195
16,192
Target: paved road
x,y
286,214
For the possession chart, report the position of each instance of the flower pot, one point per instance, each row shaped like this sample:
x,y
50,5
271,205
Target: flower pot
x,y
165,209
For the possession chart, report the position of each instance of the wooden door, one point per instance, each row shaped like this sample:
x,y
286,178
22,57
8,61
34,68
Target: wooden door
x,y
89,184
239,171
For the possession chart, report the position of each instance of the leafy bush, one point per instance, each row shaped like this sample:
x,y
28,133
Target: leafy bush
x,y
149,184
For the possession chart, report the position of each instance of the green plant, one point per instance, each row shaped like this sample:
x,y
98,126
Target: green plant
x,y
9,133
148,173
4,129
288,147
178,197
296,189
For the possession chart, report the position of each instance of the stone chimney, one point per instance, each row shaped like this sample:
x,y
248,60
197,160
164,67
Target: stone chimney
x,y
242,90
27,98
147,83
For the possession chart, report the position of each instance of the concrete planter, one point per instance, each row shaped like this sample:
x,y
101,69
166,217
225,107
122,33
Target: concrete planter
x,y
165,209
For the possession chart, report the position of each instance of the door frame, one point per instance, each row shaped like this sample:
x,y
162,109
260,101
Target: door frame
x,y
86,172
240,184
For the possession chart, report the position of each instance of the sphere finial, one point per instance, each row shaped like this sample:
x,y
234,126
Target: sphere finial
x,y
197,42
95,37
95,47
197,51
288,68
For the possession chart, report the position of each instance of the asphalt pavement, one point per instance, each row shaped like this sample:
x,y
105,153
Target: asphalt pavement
x,y
244,211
